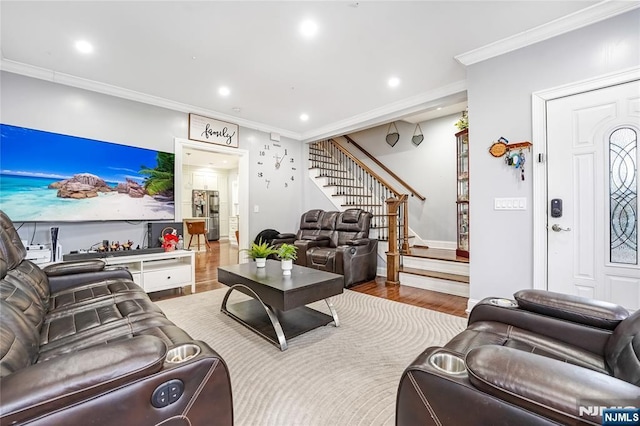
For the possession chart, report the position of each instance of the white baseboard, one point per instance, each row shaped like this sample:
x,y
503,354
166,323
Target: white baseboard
x,y
470,304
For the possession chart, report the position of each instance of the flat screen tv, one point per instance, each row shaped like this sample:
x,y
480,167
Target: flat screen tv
x,y
49,177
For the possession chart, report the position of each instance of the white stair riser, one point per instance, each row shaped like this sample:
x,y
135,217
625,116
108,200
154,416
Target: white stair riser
x,y
445,245
458,268
435,284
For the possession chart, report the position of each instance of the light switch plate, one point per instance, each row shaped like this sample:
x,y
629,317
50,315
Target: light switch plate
x,y
519,203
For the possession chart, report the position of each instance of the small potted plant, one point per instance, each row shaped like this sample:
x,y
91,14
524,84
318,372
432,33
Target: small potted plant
x,y
287,254
259,252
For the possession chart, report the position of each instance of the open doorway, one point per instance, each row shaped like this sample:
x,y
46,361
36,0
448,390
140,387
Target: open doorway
x,y
202,166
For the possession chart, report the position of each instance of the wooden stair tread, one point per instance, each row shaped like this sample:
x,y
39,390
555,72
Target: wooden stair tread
x,y
335,177
350,195
436,254
325,162
436,274
343,186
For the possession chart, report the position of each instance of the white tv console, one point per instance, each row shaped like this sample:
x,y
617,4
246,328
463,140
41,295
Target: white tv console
x,y
160,271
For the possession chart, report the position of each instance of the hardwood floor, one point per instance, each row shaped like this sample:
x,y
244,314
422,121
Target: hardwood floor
x,y
222,253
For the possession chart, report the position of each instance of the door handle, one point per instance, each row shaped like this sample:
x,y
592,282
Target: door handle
x,y
558,228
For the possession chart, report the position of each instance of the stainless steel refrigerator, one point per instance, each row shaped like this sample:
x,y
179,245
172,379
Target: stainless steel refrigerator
x,y
206,204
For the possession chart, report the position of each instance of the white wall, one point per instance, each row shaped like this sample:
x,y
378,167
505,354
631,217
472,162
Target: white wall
x,y
52,107
499,92
278,207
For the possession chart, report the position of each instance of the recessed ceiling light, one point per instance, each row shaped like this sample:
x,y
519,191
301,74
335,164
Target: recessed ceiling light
x,y
84,46
224,91
308,28
439,108
236,109
304,117
394,82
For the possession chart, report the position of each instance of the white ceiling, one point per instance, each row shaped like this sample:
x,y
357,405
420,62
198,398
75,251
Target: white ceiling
x,y
208,160
183,51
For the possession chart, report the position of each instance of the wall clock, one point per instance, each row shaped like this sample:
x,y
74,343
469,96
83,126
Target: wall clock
x,y
276,166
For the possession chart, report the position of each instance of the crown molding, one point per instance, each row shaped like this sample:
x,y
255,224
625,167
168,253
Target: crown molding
x,y
371,118
390,112
107,89
590,15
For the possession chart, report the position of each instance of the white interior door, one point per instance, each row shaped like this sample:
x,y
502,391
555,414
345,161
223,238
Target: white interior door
x,y
592,147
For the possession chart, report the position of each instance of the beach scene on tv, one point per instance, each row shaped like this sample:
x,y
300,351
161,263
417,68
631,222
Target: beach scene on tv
x,y
49,177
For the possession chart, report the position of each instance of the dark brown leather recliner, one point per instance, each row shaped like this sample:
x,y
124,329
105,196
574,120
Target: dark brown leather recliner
x,y
81,343
309,225
349,251
336,242
311,232
545,358
320,237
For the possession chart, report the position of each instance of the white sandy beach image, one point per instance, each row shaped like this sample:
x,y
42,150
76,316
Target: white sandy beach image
x,y
120,205
66,178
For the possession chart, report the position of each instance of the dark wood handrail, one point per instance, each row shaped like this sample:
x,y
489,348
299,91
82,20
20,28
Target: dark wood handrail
x,y
385,168
364,166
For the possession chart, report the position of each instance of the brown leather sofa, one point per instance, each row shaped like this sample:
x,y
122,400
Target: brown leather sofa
x,y
83,344
336,242
545,358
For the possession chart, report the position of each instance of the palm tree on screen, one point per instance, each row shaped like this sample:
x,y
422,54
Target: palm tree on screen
x,y
160,179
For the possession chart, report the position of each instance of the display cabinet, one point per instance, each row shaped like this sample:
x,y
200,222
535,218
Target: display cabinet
x,y
462,201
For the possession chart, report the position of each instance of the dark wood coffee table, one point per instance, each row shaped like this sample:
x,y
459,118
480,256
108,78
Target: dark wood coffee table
x,y
277,309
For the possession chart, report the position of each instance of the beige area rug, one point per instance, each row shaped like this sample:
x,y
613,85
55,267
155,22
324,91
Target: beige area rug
x,y
329,376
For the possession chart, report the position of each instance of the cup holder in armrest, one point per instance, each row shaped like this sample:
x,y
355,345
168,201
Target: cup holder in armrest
x,y
448,363
182,353
505,303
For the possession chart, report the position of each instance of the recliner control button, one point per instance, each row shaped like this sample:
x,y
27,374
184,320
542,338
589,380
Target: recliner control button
x,y
175,388
167,393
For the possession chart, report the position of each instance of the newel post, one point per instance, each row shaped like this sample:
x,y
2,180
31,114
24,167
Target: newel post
x,y
393,255
405,225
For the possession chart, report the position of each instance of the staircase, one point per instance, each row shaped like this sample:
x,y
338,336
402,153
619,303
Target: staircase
x,y
352,184
435,269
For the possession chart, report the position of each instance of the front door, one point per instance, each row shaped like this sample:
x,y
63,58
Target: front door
x,y
592,210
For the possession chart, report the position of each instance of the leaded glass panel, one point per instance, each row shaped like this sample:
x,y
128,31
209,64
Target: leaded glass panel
x,y
623,196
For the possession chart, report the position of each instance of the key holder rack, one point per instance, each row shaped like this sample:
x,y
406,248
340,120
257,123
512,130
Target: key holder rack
x,y
514,153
